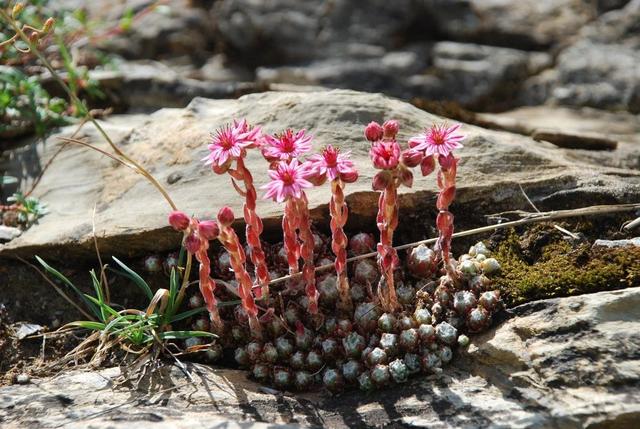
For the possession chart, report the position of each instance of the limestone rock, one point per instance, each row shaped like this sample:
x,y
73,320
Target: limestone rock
x,y
131,217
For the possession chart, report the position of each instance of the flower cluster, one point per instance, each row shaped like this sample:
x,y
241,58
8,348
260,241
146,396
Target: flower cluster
x,y
353,341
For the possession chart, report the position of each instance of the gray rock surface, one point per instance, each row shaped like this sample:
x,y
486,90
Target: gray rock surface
x,y
131,216
561,363
599,69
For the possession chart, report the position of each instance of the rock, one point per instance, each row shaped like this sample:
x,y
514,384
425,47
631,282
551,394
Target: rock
x,y
573,141
475,76
8,233
527,25
131,217
621,127
600,69
148,85
575,358
23,379
287,31
172,29
563,363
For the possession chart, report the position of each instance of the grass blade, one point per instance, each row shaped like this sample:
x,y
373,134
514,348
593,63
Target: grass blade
x,y
187,314
139,281
57,274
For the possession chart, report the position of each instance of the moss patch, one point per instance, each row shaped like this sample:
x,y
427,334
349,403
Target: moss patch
x,y
541,266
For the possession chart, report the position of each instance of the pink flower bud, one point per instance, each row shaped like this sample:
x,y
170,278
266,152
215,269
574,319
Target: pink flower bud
x,y
209,229
406,177
373,132
178,220
427,165
391,128
221,169
192,243
226,216
412,158
446,161
385,154
349,176
381,180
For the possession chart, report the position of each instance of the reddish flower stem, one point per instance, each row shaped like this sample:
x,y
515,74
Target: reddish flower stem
x,y
447,184
339,213
291,246
306,251
208,286
387,220
253,232
231,243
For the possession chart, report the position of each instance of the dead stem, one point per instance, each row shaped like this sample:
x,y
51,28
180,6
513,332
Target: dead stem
x,y
527,217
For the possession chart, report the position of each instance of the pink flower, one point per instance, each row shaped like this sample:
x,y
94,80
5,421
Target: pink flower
x,y
286,146
179,220
439,139
288,180
331,163
229,143
385,154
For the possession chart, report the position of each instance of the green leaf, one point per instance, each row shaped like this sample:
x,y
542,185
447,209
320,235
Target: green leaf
x,y
187,314
7,180
139,281
68,282
183,335
86,324
103,307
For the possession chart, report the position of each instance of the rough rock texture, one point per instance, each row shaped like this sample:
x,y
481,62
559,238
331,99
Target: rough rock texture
x,y
619,127
562,363
171,143
600,69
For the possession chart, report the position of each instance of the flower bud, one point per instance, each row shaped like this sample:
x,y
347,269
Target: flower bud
x,y
48,25
350,176
226,216
221,169
427,165
178,220
209,229
406,177
412,158
192,243
381,180
391,128
373,132
446,162
16,10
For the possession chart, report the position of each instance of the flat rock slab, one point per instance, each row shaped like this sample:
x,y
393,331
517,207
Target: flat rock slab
x,y
562,363
131,216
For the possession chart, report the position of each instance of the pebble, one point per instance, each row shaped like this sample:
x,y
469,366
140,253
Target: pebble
x,y
23,379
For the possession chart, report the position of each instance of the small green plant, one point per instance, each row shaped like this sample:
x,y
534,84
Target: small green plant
x,y
27,107
29,209
133,330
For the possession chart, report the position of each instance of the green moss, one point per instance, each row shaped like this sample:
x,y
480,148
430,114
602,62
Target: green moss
x,y
561,269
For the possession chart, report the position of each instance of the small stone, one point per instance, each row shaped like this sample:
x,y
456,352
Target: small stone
x,y
174,177
23,378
